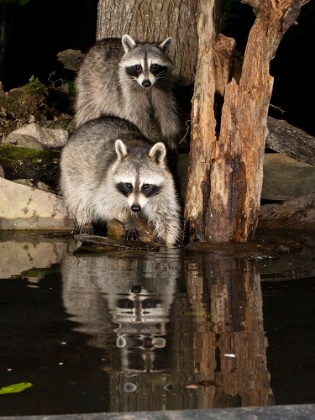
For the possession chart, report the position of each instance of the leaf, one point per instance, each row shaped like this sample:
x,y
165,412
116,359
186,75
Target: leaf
x,y
11,389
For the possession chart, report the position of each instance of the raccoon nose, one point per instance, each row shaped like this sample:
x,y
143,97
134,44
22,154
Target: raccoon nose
x,y
146,83
136,208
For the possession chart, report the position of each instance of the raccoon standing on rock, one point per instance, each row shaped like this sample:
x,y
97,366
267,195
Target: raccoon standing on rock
x,y
109,170
130,80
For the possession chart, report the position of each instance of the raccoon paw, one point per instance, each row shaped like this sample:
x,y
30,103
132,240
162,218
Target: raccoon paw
x,y
87,228
131,235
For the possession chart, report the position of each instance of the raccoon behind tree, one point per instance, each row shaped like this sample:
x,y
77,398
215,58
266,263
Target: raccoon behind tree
x,y
130,80
109,170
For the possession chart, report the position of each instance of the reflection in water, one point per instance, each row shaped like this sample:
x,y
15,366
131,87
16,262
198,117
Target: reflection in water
x,y
128,296
170,345
22,252
229,345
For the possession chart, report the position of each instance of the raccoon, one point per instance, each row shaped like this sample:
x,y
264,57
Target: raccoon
x,y
109,170
130,80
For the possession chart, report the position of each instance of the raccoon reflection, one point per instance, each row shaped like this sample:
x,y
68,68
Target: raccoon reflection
x,y
109,170
130,80
97,292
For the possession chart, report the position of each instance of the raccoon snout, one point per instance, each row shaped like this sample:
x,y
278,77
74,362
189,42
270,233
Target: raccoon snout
x,y
135,208
146,83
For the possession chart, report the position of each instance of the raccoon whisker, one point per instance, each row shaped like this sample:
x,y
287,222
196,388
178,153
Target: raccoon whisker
x,y
163,73
160,78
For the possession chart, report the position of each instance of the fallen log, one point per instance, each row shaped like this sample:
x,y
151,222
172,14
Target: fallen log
x,y
291,141
296,214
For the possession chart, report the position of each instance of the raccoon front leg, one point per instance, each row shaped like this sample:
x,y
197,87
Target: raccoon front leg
x,y
168,229
87,228
166,223
131,231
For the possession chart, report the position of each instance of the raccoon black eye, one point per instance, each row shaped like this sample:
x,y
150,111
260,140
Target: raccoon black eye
x,y
154,66
125,188
149,190
138,68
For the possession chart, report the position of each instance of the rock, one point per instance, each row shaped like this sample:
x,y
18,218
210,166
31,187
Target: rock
x,y
286,178
22,141
44,187
25,208
115,230
48,137
71,59
26,182
294,214
34,165
100,243
40,185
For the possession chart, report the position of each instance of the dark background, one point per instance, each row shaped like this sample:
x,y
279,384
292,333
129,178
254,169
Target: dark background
x,y
41,29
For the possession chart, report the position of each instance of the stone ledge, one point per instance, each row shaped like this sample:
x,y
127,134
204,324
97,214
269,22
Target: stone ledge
x,y
26,208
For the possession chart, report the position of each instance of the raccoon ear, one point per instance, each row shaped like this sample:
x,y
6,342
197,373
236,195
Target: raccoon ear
x,y
165,45
128,43
158,153
121,149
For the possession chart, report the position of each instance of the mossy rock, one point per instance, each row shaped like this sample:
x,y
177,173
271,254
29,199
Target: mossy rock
x,y
36,165
35,102
26,100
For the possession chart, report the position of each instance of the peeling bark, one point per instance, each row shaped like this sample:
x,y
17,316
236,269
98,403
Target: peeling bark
x,y
231,167
218,61
203,134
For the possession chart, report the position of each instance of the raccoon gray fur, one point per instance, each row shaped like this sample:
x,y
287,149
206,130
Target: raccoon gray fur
x,y
130,80
109,170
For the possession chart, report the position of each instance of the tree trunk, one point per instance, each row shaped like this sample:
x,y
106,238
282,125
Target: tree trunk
x,y
226,173
146,20
217,61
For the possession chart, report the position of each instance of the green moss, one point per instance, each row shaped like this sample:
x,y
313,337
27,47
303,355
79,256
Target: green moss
x,y
35,87
24,163
35,272
22,153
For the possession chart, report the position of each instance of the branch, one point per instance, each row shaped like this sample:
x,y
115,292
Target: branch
x,y
291,141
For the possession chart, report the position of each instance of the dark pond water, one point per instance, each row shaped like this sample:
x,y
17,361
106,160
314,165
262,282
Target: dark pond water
x,y
130,331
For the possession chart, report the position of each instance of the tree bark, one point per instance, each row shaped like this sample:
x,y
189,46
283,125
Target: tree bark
x,y
218,60
291,141
203,134
146,20
224,188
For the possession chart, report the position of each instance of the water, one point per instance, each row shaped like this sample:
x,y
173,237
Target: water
x,y
128,331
